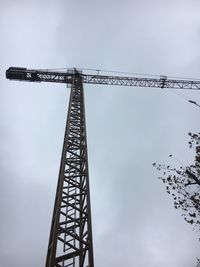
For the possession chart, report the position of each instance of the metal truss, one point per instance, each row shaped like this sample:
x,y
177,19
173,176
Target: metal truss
x,y
70,242
61,77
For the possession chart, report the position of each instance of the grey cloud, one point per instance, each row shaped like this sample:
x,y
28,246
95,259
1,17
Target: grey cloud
x,y
134,222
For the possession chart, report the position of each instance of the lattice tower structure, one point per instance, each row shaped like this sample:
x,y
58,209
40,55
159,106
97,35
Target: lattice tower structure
x,y
70,241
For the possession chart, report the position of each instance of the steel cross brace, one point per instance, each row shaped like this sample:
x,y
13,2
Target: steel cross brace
x,y
70,241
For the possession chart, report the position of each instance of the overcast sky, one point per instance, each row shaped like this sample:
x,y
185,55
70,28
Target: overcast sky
x,y
134,222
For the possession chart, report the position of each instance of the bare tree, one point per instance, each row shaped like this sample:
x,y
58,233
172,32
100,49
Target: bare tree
x,y
183,184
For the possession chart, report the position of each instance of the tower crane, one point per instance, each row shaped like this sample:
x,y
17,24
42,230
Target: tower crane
x,y
70,240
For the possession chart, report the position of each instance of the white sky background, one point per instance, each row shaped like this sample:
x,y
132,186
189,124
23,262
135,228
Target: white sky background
x,y
134,222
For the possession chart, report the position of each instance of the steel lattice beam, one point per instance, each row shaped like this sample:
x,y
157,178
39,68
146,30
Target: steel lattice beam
x,y
70,242
61,77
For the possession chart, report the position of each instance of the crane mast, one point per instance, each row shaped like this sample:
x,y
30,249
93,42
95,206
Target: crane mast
x,y
70,240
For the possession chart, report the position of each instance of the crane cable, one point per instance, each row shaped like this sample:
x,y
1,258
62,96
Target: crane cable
x,y
101,70
121,72
186,98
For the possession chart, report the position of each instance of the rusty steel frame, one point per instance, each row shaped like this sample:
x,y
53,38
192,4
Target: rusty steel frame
x,y
70,241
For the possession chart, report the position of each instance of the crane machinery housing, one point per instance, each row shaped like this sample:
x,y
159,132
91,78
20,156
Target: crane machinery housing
x,y
70,240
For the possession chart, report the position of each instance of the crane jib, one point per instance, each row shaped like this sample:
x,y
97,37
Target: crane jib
x,y
24,74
